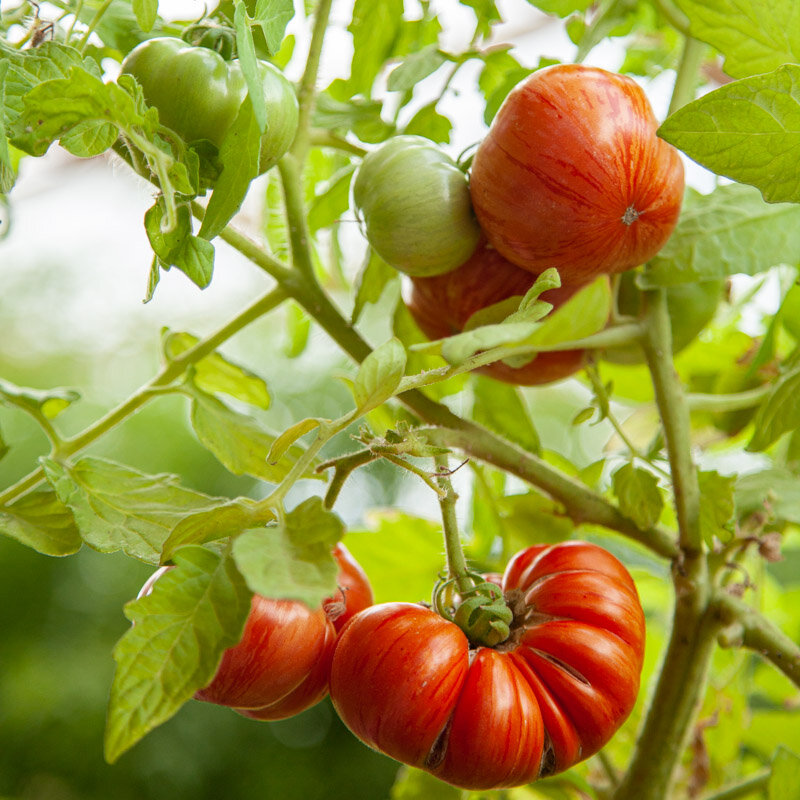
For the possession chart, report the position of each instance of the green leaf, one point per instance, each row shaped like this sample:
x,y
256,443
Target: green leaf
x,y
486,14
379,375
778,414
775,492
179,247
146,12
229,518
40,521
717,506
375,26
292,560
173,648
7,173
500,73
272,16
729,231
246,52
290,436
784,782
362,117
238,441
561,7
239,156
415,784
328,206
215,373
751,40
414,68
48,402
500,407
428,122
532,518
119,508
373,278
748,130
638,494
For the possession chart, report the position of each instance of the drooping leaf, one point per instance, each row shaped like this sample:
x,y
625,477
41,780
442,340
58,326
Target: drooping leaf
x,y
414,68
173,648
379,375
748,130
118,508
146,12
48,402
373,278
41,521
717,506
784,782
638,494
778,414
272,16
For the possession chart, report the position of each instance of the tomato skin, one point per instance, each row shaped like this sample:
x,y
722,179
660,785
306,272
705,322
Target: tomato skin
x,y
281,665
198,93
441,305
572,175
415,205
405,681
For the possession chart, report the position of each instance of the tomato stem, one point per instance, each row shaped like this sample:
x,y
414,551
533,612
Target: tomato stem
x,y
456,561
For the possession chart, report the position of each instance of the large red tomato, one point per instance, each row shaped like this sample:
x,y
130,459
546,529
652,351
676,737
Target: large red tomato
x,y
281,665
442,304
572,175
407,683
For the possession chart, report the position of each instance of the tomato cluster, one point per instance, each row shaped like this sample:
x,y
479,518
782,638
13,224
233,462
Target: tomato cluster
x,y
571,175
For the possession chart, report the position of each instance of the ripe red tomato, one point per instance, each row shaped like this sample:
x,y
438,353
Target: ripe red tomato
x,y
572,175
281,665
406,682
442,304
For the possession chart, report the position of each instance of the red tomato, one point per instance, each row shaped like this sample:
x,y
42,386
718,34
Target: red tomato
x,y
442,304
281,665
572,175
407,683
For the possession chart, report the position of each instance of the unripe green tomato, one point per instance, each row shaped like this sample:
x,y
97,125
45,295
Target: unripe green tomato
x,y
415,205
691,307
198,94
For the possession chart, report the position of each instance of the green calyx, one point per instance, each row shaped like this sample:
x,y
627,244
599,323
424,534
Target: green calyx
x,y
480,611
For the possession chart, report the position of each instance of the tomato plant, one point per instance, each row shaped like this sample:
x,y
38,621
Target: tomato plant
x,y
415,205
444,289
199,94
572,175
443,305
407,683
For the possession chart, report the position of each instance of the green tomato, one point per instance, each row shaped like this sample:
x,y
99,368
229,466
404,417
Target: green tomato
x,y
691,307
198,94
415,206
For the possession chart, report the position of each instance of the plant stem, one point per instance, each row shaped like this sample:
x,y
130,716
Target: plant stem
x,y
728,402
683,91
456,562
168,374
297,219
747,786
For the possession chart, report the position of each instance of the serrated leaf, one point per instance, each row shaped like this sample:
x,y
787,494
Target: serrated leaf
x,y
239,156
49,402
215,373
379,375
39,520
727,232
778,414
229,518
638,494
173,648
500,73
292,560
362,117
717,506
272,16
118,508
289,437
748,130
238,441
428,122
246,52
751,40
500,407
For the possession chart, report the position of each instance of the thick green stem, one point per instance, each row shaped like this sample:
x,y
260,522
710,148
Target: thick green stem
x,y
744,788
456,562
685,86
296,216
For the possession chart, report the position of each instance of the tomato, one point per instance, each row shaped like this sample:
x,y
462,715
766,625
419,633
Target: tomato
x,y
572,175
442,305
691,307
415,205
198,94
407,683
280,666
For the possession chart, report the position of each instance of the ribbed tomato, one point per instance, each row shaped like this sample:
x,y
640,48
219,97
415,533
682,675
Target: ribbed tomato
x,y
572,175
407,683
281,665
442,304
